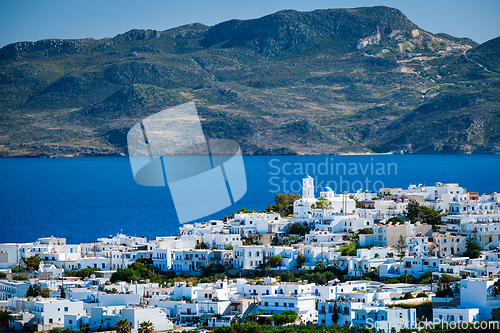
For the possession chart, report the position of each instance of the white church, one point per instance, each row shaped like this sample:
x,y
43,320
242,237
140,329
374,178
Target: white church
x,y
340,203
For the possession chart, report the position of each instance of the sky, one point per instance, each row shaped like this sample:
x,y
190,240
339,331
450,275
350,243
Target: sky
x,y
32,20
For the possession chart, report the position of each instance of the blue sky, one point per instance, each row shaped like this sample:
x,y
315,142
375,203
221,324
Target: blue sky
x,y
31,20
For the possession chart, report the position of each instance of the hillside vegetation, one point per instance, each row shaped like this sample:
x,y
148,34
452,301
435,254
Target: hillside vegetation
x,y
323,82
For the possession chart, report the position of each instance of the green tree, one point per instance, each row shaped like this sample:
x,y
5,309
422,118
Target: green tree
x,y
146,327
411,211
301,259
4,316
284,318
287,276
473,250
201,246
37,290
365,231
275,260
63,292
33,262
211,269
430,216
46,292
125,274
283,203
335,315
123,326
30,292
83,273
400,248
228,247
408,295
496,287
297,229
425,278
111,291
322,203
320,266
3,276
444,285
396,219
348,249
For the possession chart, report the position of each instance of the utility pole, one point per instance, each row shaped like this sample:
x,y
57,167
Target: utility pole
x,y
322,257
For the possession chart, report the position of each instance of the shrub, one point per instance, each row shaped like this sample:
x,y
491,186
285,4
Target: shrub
x,y
83,273
201,246
408,295
275,260
422,295
20,278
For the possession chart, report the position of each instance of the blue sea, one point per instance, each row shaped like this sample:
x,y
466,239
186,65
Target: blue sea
x,y
86,198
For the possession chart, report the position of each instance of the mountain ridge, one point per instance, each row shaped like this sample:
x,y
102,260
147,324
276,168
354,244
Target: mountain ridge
x,y
332,81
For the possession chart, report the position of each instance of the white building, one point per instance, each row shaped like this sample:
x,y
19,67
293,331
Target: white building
x,y
10,289
248,257
107,317
446,245
288,255
449,314
304,306
9,255
52,311
382,318
344,310
417,246
302,207
190,260
257,223
479,293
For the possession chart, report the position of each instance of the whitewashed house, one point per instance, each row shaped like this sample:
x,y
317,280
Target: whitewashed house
x,y
49,311
479,293
304,306
451,314
248,257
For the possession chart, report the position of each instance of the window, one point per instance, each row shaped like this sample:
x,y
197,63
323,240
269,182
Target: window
x,y
65,309
266,304
290,305
276,304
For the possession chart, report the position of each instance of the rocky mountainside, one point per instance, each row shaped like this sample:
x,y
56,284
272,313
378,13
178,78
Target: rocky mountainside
x,y
323,82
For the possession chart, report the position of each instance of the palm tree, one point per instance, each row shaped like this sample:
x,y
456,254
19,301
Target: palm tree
x,y
123,326
146,327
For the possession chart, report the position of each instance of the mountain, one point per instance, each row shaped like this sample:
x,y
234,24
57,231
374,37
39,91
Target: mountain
x,y
323,82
